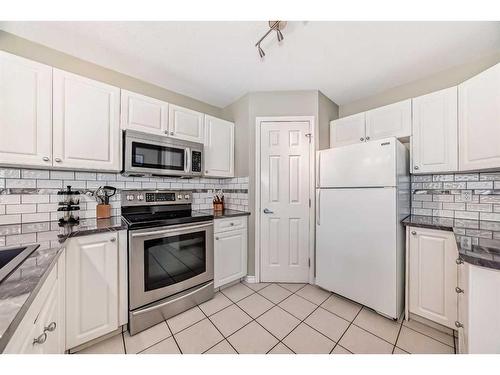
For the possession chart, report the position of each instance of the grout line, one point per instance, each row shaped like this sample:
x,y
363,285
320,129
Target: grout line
x,y
124,346
171,335
397,337
175,340
347,329
414,330
223,336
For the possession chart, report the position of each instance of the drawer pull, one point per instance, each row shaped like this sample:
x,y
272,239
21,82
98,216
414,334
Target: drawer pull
x,y
459,261
113,239
413,232
51,327
231,224
217,238
459,290
40,339
459,325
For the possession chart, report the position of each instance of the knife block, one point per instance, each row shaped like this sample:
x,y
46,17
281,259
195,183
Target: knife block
x,y
103,211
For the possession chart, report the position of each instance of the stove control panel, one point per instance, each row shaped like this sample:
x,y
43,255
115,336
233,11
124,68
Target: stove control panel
x,y
155,197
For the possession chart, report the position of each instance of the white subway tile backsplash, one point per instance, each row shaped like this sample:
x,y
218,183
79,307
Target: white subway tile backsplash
x,y
14,183
20,208
106,176
489,216
10,173
10,199
467,177
466,215
85,176
10,219
33,218
49,184
480,185
2,209
75,185
21,239
62,175
35,198
483,207
34,174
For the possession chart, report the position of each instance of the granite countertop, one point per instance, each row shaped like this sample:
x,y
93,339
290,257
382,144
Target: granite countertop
x,y
478,241
226,213
19,289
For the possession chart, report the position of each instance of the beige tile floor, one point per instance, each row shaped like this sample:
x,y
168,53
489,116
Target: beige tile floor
x,y
280,319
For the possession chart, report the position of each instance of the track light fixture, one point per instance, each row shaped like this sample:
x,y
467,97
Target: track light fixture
x,y
273,25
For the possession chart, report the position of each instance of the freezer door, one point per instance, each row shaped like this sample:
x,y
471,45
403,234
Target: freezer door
x,y
356,247
366,164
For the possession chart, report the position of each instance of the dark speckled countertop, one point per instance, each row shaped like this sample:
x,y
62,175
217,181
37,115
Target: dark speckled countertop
x,y
226,213
19,289
478,241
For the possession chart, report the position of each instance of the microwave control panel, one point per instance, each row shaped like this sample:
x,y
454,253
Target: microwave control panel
x,y
196,161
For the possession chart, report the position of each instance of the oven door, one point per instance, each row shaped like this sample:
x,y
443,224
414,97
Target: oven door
x,y
156,157
167,260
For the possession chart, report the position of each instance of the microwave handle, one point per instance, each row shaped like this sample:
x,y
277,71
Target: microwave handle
x,y
187,160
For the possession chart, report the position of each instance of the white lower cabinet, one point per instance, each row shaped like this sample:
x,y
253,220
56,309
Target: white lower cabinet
x,y
479,307
230,250
92,291
42,330
433,275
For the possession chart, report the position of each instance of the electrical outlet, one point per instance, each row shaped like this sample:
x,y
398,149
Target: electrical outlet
x,y
466,195
465,243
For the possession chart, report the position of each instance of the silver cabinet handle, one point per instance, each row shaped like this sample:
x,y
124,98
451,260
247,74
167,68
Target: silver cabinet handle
x,y
113,239
58,160
46,158
361,139
166,132
51,327
458,324
459,290
40,339
171,133
459,261
268,211
413,232
217,238
231,224
367,138
415,167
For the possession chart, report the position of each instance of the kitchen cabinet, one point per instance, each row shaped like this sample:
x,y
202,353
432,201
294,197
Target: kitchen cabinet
x,y
479,121
433,275
393,120
25,111
230,250
42,330
347,130
218,147
143,113
92,290
434,143
185,124
86,123
479,304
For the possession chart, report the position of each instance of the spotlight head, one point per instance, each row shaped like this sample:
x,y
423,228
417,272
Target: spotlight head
x,y
280,35
261,51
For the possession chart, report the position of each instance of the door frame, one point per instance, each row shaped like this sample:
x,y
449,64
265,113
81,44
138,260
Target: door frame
x,y
312,196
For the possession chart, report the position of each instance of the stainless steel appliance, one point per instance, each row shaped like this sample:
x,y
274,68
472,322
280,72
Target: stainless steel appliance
x,y
170,253
13,257
148,155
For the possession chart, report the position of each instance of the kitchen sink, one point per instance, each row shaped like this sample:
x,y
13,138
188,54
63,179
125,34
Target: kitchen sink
x,y
12,257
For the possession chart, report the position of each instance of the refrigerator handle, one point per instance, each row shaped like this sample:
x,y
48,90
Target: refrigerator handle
x,y
318,170
318,208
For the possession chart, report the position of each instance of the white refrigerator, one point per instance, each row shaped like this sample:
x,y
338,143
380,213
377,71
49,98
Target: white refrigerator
x,y
362,194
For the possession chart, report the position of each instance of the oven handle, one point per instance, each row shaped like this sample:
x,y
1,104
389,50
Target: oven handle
x,y
186,160
152,233
147,309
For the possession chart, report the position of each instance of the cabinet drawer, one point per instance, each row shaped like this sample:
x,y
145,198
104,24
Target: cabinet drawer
x,y
223,225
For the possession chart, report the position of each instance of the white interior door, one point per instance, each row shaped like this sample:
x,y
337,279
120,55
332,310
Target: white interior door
x,y
284,201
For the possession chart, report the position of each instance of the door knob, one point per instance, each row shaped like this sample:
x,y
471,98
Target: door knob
x,y
58,160
361,139
40,339
459,261
113,239
414,233
46,158
268,211
367,138
171,133
459,290
415,167
51,327
458,324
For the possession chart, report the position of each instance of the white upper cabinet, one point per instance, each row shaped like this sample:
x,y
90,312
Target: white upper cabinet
x,y
143,113
347,130
86,123
219,147
92,292
479,121
185,124
392,120
434,143
25,111
433,275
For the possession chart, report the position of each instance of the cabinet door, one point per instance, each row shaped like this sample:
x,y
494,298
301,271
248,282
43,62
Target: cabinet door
x,y
86,123
25,112
185,124
479,121
219,147
433,275
230,259
347,130
463,305
434,141
142,113
91,288
392,120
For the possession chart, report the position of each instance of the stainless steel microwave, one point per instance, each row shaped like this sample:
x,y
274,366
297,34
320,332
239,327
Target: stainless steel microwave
x,y
156,155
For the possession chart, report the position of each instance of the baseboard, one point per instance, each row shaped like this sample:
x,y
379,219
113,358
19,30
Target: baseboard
x,y
250,279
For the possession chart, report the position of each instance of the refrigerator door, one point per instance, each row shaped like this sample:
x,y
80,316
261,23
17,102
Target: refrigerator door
x,y
356,249
369,164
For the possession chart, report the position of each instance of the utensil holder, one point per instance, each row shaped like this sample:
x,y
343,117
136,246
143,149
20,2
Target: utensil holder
x,y
219,207
103,211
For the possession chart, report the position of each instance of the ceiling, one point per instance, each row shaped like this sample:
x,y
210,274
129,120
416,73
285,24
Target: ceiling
x,y
216,61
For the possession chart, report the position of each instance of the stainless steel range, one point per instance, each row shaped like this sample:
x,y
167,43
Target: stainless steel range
x,y
170,253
